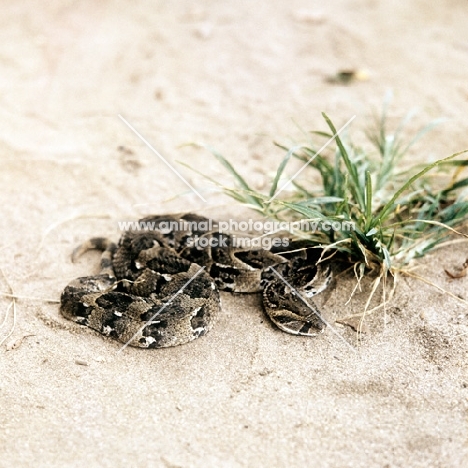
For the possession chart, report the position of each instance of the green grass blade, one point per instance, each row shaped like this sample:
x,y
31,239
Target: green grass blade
x,y
230,168
405,186
281,167
354,183
240,180
456,186
368,201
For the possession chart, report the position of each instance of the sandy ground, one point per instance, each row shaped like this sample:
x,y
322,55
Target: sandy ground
x,y
235,75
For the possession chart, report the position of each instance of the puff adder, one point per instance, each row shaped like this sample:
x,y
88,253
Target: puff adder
x,y
159,288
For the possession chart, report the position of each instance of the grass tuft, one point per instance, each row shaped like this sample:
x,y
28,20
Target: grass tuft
x,y
398,214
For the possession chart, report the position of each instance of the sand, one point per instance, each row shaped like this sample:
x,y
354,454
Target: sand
x,y
236,76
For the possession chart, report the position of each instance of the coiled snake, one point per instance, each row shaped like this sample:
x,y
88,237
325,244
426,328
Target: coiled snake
x,y
159,288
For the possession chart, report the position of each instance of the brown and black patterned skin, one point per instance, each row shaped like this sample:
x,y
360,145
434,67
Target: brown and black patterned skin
x,y
156,290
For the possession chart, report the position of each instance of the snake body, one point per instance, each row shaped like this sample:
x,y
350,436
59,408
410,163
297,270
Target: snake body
x,y
157,288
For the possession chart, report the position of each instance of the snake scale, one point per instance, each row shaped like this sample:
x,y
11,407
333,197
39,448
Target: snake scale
x,y
159,288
